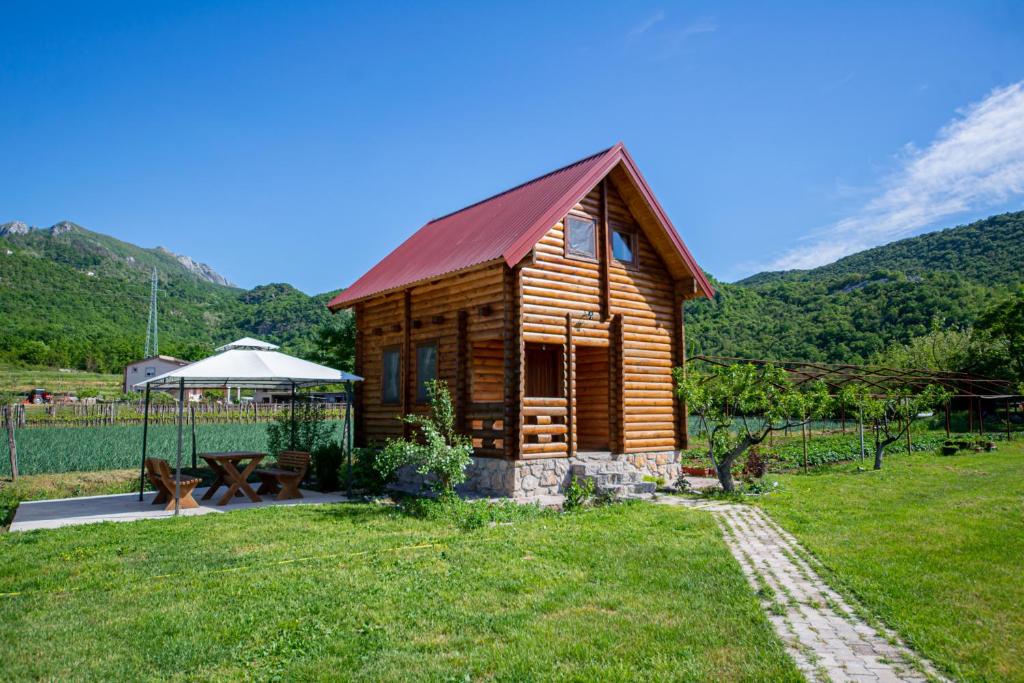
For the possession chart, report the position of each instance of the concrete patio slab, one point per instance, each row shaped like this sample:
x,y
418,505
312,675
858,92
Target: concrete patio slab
x,y
125,507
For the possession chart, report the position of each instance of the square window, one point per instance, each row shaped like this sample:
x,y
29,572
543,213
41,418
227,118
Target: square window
x,y
391,365
426,369
624,247
150,371
580,236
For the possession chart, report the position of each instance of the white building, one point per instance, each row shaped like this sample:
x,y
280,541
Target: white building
x,y
153,366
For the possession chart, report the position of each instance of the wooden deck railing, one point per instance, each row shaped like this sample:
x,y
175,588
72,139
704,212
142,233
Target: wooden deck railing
x,y
545,426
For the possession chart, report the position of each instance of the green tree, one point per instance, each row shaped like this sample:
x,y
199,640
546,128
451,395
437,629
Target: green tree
x,y
335,342
739,405
1003,325
894,413
441,453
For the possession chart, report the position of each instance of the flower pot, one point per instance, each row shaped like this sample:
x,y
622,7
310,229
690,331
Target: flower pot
x,y
949,450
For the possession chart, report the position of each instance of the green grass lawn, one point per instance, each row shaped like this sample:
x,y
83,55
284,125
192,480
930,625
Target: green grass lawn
x,y
364,592
932,545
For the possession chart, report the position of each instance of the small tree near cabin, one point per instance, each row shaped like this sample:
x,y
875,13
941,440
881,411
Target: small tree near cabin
x,y
441,452
894,413
740,405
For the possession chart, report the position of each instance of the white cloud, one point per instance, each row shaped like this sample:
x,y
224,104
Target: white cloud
x,y
976,162
645,26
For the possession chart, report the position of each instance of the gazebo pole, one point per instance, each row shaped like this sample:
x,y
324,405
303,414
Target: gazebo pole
x,y
192,419
347,436
145,435
947,418
181,424
293,417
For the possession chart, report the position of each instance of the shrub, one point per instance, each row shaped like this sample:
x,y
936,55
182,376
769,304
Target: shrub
x,y
327,460
442,455
365,476
578,493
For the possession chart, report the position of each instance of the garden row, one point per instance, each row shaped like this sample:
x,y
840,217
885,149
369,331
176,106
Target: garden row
x,y
54,450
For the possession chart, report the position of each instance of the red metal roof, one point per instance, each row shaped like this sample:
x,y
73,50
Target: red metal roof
x,y
505,226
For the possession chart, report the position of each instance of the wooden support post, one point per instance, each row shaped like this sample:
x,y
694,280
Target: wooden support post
x,y
679,310
513,352
406,360
359,415
1006,412
12,446
604,245
616,385
462,360
803,432
570,387
910,422
981,419
947,419
970,415
842,418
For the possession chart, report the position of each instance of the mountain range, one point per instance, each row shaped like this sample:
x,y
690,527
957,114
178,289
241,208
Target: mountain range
x,y
850,310
71,297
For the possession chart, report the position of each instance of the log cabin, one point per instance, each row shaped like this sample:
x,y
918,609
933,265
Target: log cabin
x,y
555,313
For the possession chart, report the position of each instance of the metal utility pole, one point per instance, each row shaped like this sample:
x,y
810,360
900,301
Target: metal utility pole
x,y
152,337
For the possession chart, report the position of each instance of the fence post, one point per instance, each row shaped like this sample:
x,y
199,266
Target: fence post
x,y
11,445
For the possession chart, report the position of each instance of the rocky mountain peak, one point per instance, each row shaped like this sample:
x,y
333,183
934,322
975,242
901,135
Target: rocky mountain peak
x,y
63,227
14,228
198,269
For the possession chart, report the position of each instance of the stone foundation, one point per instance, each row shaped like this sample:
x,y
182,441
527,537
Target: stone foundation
x,y
500,478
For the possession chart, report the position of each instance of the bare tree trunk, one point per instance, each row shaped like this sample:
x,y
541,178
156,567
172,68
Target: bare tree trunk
x,y
880,446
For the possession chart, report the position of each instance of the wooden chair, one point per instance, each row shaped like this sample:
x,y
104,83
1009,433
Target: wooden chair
x,y
163,480
285,477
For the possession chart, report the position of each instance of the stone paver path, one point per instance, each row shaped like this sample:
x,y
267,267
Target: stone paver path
x,y
820,631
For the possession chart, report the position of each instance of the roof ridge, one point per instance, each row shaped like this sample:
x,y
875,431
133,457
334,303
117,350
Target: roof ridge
x,y
523,184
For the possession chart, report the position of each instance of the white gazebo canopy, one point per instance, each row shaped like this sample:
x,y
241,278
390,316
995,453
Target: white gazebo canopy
x,y
248,363
252,364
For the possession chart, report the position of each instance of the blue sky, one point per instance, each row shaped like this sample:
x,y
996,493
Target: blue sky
x,y
302,141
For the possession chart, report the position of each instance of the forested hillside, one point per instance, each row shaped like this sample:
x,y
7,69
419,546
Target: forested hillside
x,y
71,297
851,310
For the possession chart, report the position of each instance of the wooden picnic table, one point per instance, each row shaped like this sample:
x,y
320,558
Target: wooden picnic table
x,y
225,464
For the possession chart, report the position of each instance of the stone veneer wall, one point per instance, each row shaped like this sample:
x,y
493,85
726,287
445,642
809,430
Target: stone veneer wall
x,y
501,478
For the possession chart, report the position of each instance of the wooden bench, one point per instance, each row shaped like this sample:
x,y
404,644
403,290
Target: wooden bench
x,y
163,480
285,477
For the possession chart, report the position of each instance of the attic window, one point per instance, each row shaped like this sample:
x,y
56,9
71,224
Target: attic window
x,y
580,237
624,247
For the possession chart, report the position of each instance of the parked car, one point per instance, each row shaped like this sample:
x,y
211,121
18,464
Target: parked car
x,y
38,396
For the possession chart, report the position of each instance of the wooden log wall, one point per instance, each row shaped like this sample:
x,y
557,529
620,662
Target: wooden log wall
x,y
462,310
641,298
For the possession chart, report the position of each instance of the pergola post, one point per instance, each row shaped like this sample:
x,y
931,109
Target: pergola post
x,y
145,436
1006,412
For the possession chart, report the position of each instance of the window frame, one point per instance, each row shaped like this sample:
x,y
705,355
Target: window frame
x,y
425,400
634,243
397,349
568,252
